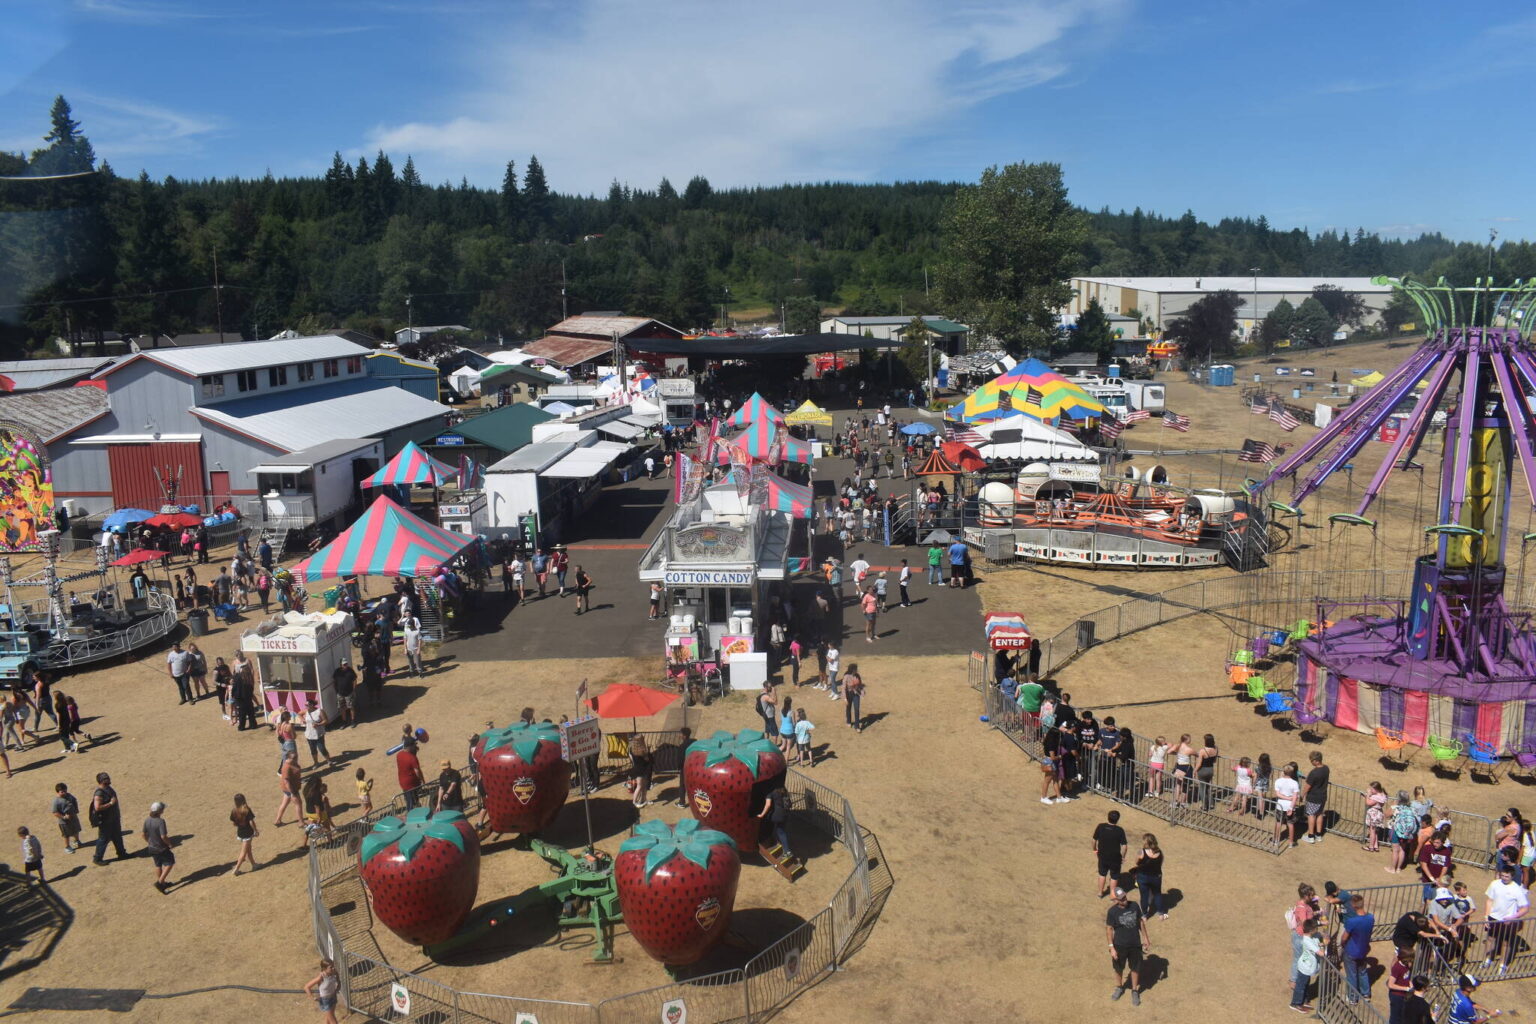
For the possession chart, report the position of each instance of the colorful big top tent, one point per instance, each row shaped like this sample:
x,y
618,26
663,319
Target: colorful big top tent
x,y
792,449
412,466
754,409
809,414
386,541
1032,388
756,442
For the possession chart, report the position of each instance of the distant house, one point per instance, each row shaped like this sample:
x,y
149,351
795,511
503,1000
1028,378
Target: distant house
x,y
206,416
110,343
413,335
948,336
414,375
487,438
590,337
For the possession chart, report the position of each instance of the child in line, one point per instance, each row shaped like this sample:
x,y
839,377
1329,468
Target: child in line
x,y
803,729
31,853
364,791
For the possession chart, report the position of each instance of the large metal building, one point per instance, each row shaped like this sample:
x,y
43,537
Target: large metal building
x,y
203,418
1161,299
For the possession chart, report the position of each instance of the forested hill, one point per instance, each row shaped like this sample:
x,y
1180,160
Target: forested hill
x,y
86,252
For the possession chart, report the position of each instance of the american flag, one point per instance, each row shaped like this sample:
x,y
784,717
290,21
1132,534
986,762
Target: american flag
x,y
1258,451
965,435
1280,415
1137,416
1005,401
1258,408
1175,421
1109,430
1068,423
1034,397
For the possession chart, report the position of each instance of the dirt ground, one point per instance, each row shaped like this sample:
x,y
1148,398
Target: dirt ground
x,y
994,911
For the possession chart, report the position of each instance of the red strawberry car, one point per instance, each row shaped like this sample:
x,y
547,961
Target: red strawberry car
x,y
526,781
726,779
677,887
422,873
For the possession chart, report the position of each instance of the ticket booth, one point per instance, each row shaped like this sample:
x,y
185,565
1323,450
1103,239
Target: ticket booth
x,y
294,657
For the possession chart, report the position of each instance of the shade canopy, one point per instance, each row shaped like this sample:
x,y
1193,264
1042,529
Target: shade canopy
x,y
754,409
792,449
630,700
919,429
411,466
386,541
175,519
1007,631
963,457
784,496
1370,380
1031,388
141,555
809,414
1019,437
937,465
126,517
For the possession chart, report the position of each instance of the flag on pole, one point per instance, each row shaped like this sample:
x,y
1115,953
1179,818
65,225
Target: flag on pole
x,y
1260,451
1137,415
683,467
1174,421
471,474
1282,416
1109,430
963,434
1258,408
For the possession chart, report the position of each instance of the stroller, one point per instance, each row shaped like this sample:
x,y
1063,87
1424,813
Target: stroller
x,y
226,613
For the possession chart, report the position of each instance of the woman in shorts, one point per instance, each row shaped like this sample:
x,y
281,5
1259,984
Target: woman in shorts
x,y
325,987
787,727
1286,791
1156,758
1050,769
244,820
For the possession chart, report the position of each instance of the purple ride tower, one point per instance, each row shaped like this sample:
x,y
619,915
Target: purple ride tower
x,y
1452,665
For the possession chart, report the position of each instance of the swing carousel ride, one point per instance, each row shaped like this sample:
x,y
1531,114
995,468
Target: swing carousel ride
x,y
1452,665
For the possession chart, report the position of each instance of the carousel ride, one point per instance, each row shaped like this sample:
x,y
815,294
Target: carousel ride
x,y
1452,666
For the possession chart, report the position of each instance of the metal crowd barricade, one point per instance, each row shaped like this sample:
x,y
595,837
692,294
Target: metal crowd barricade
x,y
1332,1003
1389,903
711,999
485,1008
778,973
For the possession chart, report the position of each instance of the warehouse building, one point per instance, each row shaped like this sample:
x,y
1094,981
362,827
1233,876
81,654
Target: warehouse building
x,y
1161,299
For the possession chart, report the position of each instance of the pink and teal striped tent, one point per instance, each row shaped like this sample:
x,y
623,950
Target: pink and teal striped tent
x,y
756,442
756,409
784,496
412,466
794,449
386,541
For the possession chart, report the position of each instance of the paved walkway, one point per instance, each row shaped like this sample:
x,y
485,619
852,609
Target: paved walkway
x,y
609,542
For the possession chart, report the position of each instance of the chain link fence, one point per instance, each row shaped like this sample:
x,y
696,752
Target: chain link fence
x,y
342,924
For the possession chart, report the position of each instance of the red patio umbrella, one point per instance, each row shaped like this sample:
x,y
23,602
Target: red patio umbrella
x,y
174,519
141,555
630,700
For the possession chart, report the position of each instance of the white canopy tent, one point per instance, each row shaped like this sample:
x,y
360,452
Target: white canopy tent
x,y
1020,437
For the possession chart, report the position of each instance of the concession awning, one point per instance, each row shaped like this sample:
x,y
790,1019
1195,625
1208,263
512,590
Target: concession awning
x,y
620,429
583,463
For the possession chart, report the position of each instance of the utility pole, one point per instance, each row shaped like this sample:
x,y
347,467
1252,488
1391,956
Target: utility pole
x,y
1255,272
564,314
1493,233
925,282
725,306
218,295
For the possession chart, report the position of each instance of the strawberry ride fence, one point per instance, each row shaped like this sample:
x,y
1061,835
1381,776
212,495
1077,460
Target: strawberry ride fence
x,y
342,923
1245,604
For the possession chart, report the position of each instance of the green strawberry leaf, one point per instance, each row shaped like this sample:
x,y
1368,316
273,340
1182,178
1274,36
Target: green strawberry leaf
x,y
408,834
524,738
663,842
746,746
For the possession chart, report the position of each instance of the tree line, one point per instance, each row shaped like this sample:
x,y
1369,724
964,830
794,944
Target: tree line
x,y
371,246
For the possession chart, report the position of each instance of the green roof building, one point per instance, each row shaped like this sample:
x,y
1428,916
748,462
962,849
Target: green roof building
x,y
489,437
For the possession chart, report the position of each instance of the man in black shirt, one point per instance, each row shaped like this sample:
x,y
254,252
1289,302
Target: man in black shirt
x,y
1410,928
1109,845
1314,798
1127,933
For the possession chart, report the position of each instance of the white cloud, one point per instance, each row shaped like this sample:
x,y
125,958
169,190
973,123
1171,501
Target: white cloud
x,y
145,10
742,93
120,128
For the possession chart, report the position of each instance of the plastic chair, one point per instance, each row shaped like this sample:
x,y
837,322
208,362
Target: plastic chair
x,y
1447,754
1300,629
1307,719
1393,747
1237,676
1258,686
1244,657
1525,761
1278,637
1483,759
1278,703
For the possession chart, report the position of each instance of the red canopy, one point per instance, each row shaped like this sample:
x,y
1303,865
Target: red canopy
x,y
141,555
174,519
965,457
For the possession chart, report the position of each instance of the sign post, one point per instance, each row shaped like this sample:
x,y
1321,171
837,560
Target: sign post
x,y
580,740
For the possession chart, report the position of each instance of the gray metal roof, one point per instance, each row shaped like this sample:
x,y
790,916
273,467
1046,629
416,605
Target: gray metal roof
x,y
35,374
533,458
319,453
877,321
300,418
51,413
249,355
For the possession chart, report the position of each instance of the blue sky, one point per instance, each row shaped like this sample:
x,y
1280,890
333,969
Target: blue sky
x,y
1315,114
